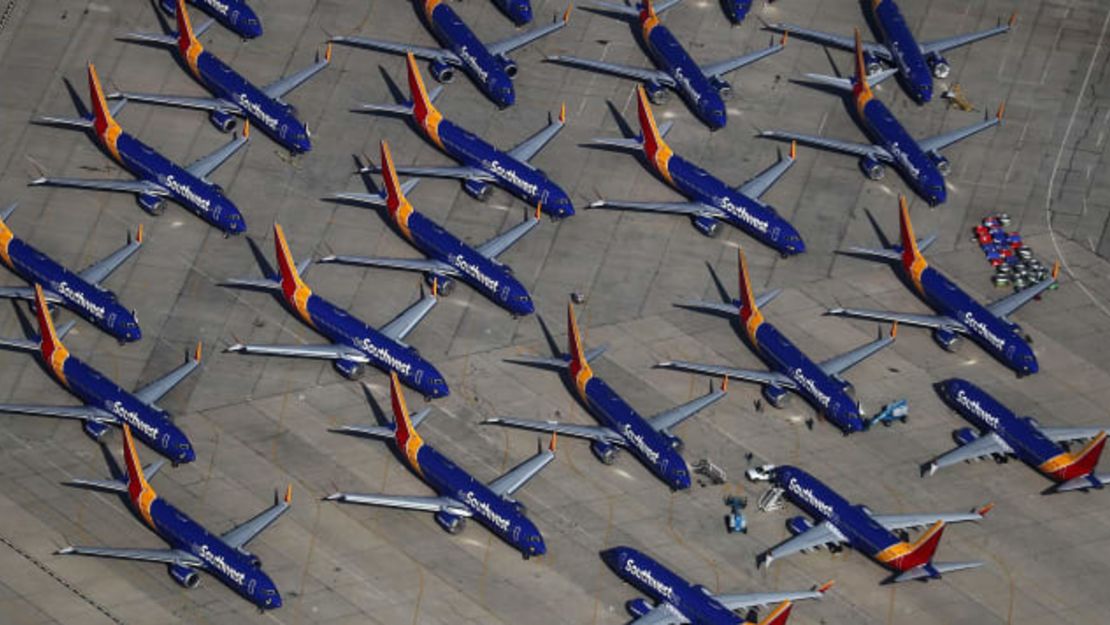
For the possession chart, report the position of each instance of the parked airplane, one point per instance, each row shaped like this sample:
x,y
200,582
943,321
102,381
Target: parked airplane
x,y
878,536
459,496
960,315
448,257
104,403
918,63
918,161
675,601
235,96
519,11
79,292
482,164
702,87
736,10
999,433
791,370
158,177
711,201
192,547
650,440
489,66
354,343
235,15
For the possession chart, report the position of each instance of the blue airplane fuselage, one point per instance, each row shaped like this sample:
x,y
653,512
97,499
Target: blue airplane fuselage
x,y
736,10
750,215
96,305
491,278
519,11
695,602
235,15
498,515
669,55
478,62
824,392
904,48
201,197
919,169
237,570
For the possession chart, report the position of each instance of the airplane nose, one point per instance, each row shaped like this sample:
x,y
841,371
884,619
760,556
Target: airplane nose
x,y
521,12
525,307
612,557
186,455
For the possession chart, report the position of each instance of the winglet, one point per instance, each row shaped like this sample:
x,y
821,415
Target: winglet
x,y
824,588
52,349
289,494
139,234
563,113
724,384
984,510
539,209
894,330
793,150
566,14
554,442
435,287
1001,110
785,37
327,53
779,615
247,129
1013,18
199,351
1055,269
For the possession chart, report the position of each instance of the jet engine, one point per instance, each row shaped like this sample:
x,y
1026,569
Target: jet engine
x,y
223,120
872,168
947,339
939,65
775,395
677,443
604,452
943,166
709,226
444,285
152,204
509,65
477,189
723,87
963,436
872,63
184,575
348,368
442,72
798,525
452,524
657,93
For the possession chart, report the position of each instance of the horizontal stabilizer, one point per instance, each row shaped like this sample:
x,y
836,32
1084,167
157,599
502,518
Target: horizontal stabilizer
x,y
1084,482
390,109
116,486
623,143
67,122
933,570
552,363
846,84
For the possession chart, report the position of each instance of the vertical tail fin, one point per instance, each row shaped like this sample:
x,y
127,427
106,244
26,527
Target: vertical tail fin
x,y
1082,462
647,11
656,149
103,122
861,89
142,495
912,259
779,615
53,351
404,433
422,107
920,551
579,367
187,42
395,200
292,286
749,310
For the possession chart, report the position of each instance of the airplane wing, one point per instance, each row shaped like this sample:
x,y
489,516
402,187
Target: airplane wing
x,y
509,44
983,446
420,52
737,601
82,413
243,534
627,71
667,419
207,164
894,522
422,265
662,614
406,502
331,351
501,242
591,432
531,146
911,319
1061,435
941,141
205,104
836,145
403,323
282,86
125,186
103,268
696,209
716,70
941,45
829,39
750,375
167,556
151,393
1006,305
839,364
817,536
515,479
757,186
27,293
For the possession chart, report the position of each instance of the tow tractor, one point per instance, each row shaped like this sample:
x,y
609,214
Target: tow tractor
x,y
894,411
735,520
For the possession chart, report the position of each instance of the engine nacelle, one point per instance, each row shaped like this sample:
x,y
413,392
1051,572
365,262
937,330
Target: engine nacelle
x,y
348,368
846,386
223,120
723,87
872,63
152,204
872,168
441,71
1032,422
942,163
443,285
509,65
798,525
184,575
451,523
293,112
638,607
477,189
775,395
939,65
677,444
604,452
256,562
947,339
964,436
709,226
657,93
95,429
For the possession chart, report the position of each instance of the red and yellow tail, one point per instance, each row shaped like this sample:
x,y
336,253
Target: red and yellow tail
x,y
408,440
912,260
580,370
187,42
1071,465
105,126
6,238
426,114
779,615
656,149
294,289
861,90
399,207
904,556
142,495
648,18
749,311
53,352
